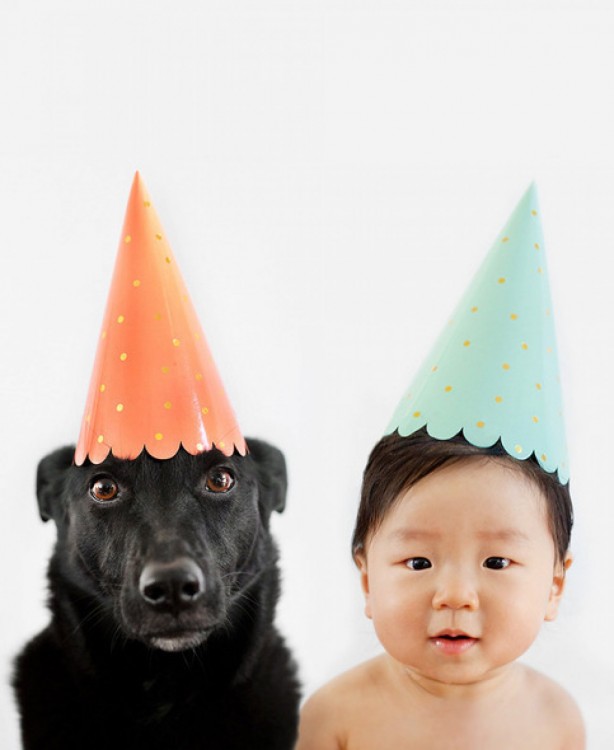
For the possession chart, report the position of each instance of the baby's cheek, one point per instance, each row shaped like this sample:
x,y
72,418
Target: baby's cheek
x,y
395,640
518,625
400,622
395,604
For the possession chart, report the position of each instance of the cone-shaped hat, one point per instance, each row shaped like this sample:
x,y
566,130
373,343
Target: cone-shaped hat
x,y
154,385
493,373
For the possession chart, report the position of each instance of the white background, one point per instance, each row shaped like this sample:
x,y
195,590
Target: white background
x,y
329,174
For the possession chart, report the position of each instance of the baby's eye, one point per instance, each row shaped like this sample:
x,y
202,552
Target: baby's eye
x,y
418,563
497,563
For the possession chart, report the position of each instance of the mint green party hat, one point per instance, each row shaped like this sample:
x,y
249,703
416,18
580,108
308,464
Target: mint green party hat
x,y
493,373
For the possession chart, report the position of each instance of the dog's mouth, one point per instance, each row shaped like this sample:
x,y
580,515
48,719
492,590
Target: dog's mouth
x,y
179,640
165,631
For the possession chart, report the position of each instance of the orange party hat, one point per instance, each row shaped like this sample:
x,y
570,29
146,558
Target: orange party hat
x,y
155,385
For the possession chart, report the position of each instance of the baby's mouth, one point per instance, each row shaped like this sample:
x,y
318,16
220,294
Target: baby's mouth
x,y
453,642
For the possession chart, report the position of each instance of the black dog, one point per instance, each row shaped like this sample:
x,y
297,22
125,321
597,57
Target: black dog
x,y
163,587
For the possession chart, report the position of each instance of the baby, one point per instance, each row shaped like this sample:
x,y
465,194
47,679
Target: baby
x,y
462,554
463,530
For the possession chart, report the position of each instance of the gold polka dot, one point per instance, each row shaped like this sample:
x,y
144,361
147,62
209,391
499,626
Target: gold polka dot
x,y
103,388
120,318
147,204
88,419
198,376
499,399
502,280
533,212
538,386
448,388
119,407
222,444
536,245
158,316
136,283
416,414
176,342
167,405
100,438
536,419
127,239
479,424
548,312
434,368
104,335
525,346
200,447
474,309
506,366
123,356
513,316
165,369
467,343
518,448
205,410
197,337
158,436
544,457
505,239
158,236
539,270
549,350
167,259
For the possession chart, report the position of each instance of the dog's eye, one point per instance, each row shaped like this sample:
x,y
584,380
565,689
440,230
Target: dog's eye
x,y
104,489
219,480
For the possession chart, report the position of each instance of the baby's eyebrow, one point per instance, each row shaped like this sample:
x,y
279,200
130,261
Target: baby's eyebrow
x,y
412,535
503,535
489,535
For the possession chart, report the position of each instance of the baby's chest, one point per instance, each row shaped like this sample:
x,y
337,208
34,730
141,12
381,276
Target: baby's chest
x,y
443,733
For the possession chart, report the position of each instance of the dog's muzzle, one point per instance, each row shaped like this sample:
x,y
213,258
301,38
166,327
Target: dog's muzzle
x,y
173,586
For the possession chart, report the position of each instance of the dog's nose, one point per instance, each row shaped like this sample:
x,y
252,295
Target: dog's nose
x,y
172,586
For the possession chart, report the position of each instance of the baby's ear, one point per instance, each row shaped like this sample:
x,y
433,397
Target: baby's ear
x,y
361,563
558,585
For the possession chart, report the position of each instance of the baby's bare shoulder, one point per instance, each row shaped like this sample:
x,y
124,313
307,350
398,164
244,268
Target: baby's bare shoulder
x,y
345,693
328,715
555,704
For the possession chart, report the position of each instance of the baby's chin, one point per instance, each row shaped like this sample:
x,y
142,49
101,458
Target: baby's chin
x,y
450,679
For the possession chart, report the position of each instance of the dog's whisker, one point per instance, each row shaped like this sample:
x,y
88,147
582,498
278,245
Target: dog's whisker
x,y
245,604
94,617
196,653
117,638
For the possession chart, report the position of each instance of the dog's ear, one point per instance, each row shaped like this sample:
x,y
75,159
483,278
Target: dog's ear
x,y
272,475
49,478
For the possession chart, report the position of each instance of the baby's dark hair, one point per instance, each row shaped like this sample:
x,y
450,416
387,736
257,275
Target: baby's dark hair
x,y
397,463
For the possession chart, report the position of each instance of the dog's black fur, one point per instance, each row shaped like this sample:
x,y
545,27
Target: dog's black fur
x,y
162,601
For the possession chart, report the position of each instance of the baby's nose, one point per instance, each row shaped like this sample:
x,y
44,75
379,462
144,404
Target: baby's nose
x,y
455,590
